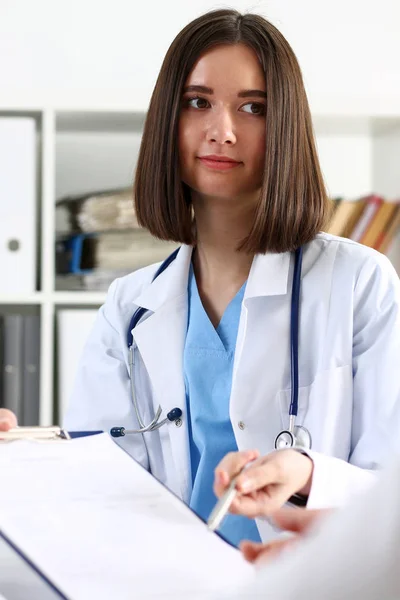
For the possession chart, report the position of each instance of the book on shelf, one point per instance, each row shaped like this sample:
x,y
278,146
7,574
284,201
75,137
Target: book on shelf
x,y
20,366
378,223
371,220
387,236
31,370
345,217
334,204
1,361
371,205
12,363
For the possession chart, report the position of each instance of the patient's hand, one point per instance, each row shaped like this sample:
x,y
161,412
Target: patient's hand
x,y
7,419
295,520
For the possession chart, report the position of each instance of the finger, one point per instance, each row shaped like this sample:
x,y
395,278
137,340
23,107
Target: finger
x,y
297,520
274,549
7,419
229,467
258,476
262,503
233,462
251,550
257,552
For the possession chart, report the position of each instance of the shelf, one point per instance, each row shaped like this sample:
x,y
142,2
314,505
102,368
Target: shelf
x,y
69,298
35,298
368,125
79,298
99,121
28,112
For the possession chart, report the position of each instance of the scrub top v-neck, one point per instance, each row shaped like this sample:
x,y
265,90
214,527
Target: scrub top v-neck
x,y
208,365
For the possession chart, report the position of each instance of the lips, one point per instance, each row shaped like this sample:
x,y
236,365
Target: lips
x,y
219,163
216,158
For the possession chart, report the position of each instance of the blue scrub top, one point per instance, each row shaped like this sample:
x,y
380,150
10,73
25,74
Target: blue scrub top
x,y
208,364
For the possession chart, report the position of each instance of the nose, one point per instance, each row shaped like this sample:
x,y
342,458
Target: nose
x,y
221,128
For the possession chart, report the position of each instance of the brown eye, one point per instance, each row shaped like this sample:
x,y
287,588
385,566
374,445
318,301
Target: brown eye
x,y
198,102
255,108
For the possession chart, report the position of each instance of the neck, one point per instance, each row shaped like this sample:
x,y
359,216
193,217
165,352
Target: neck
x,y
221,226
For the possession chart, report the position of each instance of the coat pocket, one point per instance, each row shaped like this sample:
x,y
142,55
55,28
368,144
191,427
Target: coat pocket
x,y
325,409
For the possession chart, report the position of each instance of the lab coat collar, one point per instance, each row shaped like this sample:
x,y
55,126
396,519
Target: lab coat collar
x,y
271,274
268,277
171,284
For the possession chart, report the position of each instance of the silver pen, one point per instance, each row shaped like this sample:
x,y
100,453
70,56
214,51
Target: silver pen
x,y
221,509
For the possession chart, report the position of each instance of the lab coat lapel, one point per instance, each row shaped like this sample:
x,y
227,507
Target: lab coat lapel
x,y
160,339
261,356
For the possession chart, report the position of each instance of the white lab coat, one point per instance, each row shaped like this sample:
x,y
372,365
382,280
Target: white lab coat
x,y
349,359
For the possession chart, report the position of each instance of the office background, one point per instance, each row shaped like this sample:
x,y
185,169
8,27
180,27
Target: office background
x,y
76,77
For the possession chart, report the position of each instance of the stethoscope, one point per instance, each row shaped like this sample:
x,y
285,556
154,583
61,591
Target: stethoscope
x,y
295,435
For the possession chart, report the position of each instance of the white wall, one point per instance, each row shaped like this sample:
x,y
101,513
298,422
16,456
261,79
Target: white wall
x,y
96,52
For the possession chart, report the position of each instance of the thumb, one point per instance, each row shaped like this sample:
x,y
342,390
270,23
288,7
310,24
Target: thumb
x,y
230,466
297,520
7,419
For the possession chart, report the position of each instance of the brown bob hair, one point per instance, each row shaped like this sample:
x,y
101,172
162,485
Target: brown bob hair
x,y
293,204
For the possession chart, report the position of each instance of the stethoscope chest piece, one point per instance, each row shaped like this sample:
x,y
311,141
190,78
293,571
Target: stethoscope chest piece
x,y
300,438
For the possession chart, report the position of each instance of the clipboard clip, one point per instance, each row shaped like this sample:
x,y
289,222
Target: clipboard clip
x,y
40,434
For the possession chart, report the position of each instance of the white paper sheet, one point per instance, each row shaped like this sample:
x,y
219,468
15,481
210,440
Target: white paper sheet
x,y
99,526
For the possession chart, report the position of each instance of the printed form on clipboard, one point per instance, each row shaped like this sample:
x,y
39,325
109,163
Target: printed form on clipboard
x,y
93,523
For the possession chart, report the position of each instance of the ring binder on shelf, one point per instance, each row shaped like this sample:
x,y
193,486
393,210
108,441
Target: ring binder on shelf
x,y
34,433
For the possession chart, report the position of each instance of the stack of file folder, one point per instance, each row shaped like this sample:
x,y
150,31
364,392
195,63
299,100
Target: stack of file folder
x,y
103,241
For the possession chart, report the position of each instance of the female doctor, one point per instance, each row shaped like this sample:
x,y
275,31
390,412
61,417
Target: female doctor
x,y
228,168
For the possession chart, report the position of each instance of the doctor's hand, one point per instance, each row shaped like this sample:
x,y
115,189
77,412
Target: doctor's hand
x,y
267,483
7,419
298,522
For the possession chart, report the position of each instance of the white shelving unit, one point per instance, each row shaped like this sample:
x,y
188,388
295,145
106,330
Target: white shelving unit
x,y
82,150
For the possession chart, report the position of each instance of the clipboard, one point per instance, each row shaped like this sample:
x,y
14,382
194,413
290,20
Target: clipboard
x,y
40,434
118,478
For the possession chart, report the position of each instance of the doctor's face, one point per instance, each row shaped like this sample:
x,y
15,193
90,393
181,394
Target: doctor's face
x,y
222,124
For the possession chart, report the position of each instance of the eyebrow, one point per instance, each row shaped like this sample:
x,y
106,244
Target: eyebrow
x,y
242,94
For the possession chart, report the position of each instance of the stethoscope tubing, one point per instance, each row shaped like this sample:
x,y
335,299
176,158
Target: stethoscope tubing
x,y
294,333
